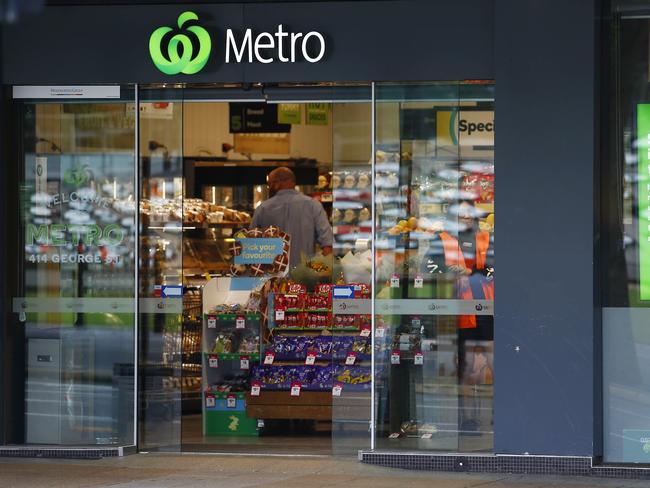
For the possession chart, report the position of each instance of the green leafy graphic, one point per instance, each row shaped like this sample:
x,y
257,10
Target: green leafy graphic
x,y
179,57
78,175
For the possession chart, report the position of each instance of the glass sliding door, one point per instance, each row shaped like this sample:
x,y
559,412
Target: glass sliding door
x,y
160,283
434,266
69,354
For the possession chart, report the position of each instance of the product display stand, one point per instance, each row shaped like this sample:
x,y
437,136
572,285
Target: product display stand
x,y
228,356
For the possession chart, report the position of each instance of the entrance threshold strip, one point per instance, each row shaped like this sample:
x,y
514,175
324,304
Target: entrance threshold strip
x,y
502,463
236,454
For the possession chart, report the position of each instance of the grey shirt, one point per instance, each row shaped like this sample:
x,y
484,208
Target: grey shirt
x,y
303,218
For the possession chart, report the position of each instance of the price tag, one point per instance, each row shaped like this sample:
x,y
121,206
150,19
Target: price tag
x,y
279,315
244,362
379,332
418,282
365,332
311,358
350,359
394,281
337,389
394,435
240,322
210,402
395,357
212,322
295,389
416,322
418,358
255,388
428,435
213,361
231,401
269,358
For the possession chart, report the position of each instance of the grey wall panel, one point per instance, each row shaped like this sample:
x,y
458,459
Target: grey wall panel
x,y
382,40
544,316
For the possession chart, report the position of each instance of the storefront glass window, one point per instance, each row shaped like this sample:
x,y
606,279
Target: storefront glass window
x,y
70,334
160,283
434,266
625,235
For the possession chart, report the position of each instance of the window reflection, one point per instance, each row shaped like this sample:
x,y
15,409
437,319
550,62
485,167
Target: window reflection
x,y
434,266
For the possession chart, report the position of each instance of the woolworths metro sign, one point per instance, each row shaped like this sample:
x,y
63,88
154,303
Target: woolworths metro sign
x,y
188,48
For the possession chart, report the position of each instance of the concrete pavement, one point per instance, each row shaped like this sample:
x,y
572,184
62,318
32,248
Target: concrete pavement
x,y
217,471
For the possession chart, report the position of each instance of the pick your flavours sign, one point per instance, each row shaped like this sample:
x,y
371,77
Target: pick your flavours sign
x,y
188,48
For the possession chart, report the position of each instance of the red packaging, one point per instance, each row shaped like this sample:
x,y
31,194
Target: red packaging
x,y
296,288
486,187
345,321
317,320
324,289
316,301
361,290
292,319
289,301
363,321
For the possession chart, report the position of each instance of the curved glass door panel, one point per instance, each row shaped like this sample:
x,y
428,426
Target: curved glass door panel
x,y
434,266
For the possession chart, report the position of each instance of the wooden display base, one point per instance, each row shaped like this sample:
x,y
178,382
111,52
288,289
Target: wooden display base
x,y
313,405
310,405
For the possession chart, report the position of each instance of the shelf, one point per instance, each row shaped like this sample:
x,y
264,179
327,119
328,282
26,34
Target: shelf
x,y
234,356
314,310
233,316
315,329
222,395
209,225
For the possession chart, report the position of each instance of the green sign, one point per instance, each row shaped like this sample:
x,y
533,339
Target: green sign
x,y
643,202
289,113
179,55
317,113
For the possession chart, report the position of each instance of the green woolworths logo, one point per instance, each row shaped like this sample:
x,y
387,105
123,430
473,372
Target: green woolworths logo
x,y
179,57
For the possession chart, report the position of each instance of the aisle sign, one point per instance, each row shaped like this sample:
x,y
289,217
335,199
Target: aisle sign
x,y
255,118
289,113
317,113
643,202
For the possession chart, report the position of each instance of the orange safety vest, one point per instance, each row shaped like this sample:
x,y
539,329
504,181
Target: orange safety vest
x,y
454,257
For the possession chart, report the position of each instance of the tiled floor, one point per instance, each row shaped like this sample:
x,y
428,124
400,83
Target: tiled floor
x,y
209,471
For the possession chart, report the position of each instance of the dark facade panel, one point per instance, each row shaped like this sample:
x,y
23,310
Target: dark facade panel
x,y
545,148
366,41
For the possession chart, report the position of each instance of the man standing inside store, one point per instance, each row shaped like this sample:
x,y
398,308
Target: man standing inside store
x,y
303,218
